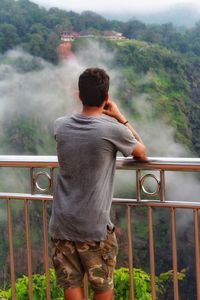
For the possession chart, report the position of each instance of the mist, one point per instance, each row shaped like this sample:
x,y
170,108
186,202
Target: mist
x,y
40,92
50,91
116,7
33,93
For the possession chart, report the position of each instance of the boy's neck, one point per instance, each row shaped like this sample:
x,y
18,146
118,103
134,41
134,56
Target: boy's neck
x,y
94,111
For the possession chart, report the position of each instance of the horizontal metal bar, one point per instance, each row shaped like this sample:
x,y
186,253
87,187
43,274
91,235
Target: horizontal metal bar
x,y
166,204
159,163
28,161
116,201
20,196
154,163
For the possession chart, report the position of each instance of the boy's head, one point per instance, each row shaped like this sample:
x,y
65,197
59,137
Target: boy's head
x,y
93,87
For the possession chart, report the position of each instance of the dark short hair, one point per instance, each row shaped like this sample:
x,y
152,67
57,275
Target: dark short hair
x,y
93,86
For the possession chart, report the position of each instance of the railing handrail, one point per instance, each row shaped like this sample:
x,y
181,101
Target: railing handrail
x,y
160,164
116,201
156,163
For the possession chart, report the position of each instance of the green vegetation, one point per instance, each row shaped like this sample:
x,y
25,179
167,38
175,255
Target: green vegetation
x,y
165,83
37,30
159,69
121,281
167,57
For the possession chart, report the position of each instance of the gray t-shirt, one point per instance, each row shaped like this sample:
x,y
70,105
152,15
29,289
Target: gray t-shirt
x,y
86,149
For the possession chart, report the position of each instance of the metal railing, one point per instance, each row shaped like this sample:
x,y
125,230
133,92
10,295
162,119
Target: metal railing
x,y
45,166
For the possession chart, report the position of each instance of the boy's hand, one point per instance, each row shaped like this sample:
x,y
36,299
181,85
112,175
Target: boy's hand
x,y
111,109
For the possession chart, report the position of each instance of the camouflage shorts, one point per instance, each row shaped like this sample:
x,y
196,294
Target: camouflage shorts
x,y
72,259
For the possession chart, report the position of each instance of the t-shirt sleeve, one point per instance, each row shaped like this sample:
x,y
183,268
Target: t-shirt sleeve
x,y
55,128
123,139
58,122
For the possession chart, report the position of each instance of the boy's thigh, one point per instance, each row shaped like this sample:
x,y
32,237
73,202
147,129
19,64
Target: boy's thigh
x,y
67,264
99,260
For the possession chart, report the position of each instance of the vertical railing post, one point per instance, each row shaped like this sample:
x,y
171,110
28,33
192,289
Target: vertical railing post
x,y
162,185
85,287
130,252
174,254
197,258
28,249
12,269
52,180
151,254
32,180
138,185
46,255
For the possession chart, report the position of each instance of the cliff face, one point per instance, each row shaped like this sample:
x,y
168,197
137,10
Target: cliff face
x,y
64,51
170,84
193,109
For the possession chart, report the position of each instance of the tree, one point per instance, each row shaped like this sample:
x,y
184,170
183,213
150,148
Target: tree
x,y
133,29
8,37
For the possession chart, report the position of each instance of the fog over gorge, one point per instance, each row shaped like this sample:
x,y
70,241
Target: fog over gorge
x,y
51,91
40,96
151,51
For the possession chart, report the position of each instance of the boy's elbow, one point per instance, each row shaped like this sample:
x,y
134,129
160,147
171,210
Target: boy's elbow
x,y
139,152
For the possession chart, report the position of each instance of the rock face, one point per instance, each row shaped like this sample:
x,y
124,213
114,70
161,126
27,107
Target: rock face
x,y
193,108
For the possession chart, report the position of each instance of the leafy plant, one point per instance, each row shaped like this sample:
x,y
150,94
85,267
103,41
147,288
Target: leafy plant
x,y
38,287
142,285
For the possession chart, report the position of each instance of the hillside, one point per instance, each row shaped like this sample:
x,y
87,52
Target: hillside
x,y
154,75
167,59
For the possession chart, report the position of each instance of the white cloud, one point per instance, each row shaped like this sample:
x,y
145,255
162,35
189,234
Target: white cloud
x,y
114,5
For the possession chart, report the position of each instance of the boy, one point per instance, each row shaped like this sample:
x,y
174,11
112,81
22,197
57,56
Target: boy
x,y
87,143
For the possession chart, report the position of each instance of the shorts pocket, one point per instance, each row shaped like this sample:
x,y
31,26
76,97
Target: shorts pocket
x,y
109,259
110,244
109,249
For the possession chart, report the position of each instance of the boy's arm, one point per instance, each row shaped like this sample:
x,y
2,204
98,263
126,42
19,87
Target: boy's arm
x,y
111,109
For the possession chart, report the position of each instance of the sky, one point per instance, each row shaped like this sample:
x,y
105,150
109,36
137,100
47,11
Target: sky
x,y
115,6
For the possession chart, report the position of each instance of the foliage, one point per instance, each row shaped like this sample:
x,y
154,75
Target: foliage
x,y
38,285
161,75
165,280
121,282
141,284
169,57
155,60
24,23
